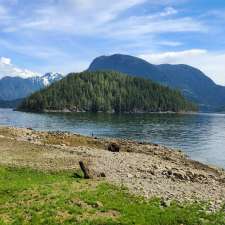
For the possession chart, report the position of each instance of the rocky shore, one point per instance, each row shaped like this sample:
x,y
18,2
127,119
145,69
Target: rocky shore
x,y
149,170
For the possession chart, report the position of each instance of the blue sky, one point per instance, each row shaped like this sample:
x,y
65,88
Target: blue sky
x,y
38,36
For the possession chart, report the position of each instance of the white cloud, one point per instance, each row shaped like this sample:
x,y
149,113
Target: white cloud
x,y
136,27
91,17
218,13
8,69
171,43
39,52
169,11
5,61
211,63
72,16
173,57
110,20
2,10
3,14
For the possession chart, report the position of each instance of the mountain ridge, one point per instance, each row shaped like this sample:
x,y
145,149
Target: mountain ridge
x,y
12,88
192,82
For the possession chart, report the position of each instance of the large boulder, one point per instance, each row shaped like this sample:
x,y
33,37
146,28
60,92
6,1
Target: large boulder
x,y
113,147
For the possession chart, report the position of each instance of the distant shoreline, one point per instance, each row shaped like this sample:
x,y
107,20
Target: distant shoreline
x,y
135,112
69,111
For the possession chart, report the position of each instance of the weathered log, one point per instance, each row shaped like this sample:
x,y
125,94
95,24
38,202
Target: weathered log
x,y
85,170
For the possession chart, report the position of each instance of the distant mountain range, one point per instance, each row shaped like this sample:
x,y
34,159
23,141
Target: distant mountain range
x,y
193,83
13,88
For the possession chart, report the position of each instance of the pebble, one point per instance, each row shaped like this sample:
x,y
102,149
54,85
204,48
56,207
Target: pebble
x,y
130,175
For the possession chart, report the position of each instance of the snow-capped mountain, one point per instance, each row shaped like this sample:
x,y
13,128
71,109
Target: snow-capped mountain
x,y
12,88
46,79
50,78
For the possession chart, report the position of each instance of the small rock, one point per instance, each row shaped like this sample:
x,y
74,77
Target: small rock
x,y
137,175
152,172
97,205
169,172
130,175
102,174
129,150
179,176
155,167
166,158
156,145
222,180
165,203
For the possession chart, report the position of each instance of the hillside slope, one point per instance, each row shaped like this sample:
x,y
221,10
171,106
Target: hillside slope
x,y
107,92
194,84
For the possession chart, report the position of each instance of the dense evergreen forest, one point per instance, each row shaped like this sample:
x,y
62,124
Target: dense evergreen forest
x,y
106,92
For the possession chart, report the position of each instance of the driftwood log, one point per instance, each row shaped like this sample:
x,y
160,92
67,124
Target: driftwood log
x,y
88,173
85,170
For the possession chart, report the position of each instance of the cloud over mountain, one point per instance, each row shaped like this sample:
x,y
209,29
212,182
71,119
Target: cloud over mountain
x,y
210,63
8,69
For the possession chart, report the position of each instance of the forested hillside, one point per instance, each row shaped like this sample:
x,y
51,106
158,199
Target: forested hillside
x,y
107,92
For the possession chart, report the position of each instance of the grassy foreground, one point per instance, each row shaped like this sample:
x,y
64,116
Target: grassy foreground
x,y
32,197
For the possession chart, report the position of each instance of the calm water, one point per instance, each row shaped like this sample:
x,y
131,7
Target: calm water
x,y
201,136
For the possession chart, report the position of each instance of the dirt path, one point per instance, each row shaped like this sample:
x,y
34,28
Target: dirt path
x,y
146,169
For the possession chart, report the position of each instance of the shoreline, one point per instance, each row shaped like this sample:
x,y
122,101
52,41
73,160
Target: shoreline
x,y
149,170
107,112
125,113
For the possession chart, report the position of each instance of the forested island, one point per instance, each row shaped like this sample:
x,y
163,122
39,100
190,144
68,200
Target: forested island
x,y
106,92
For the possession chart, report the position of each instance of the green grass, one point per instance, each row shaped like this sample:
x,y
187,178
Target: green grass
x,y
32,197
